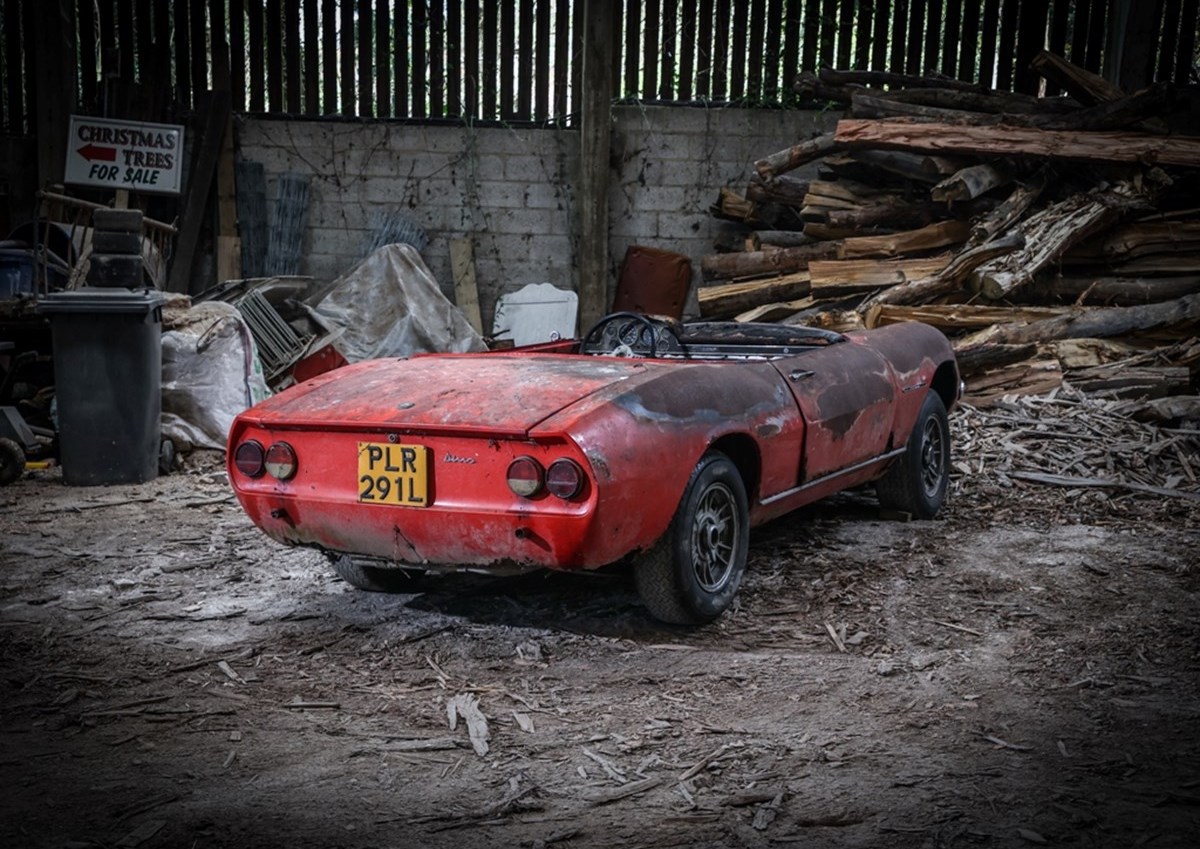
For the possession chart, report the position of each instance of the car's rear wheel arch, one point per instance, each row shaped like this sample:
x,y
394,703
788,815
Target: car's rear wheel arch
x,y
945,384
742,451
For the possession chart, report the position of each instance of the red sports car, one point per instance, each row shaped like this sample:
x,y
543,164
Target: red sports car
x,y
646,439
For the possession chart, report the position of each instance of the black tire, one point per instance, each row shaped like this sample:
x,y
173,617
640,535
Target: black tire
x,y
106,242
691,575
118,220
916,483
359,573
115,270
12,461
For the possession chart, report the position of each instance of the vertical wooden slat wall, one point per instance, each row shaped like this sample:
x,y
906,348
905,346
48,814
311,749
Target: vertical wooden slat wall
x,y
515,60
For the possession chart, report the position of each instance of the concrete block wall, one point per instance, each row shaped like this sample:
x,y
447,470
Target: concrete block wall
x,y
511,190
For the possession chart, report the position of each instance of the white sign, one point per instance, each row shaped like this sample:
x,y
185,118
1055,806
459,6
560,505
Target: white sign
x,y
129,155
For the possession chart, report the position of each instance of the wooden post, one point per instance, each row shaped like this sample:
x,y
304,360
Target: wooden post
x,y
466,291
595,128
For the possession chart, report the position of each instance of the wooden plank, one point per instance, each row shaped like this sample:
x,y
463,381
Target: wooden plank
x,y
275,99
219,41
953,32
916,29
633,51
349,99
312,60
1091,146
687,51
862,40
198,18
650,53
668,54
237,54
401,52
87,58
595,106
1079,33
420,36
730,299
54,79
454,59
1095,36
836,277
899,37
437,62
987,43
704,50
812,35
257,46
525,48
845,35
292,72
466,291
195,198
564,25
508,36
180,38
490,68
933,34
329,58
969,44
1187,42
737,59
829,20
879,37
1169,40
773,52
720,55
1057,42
471,60
1009,21
366,54
229,246
1031,39
541,68
126,38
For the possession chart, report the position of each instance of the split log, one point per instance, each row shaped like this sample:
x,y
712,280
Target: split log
x,y
1048,234
950,277
781,189
795,156
1131,383
894,216
732,206
757,263
911,166
731,239
959,316
830,76
1119,291
928,238
1123,112
1012,210
1179,407
1100,322
1055,144
733,298
776,311
1139,239
762,239
1088,88
1033,377
834,278
1085,353
873,106
971,182
993,102
987,355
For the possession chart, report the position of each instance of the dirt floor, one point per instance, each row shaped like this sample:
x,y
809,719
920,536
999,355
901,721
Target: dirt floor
x,y
1022,671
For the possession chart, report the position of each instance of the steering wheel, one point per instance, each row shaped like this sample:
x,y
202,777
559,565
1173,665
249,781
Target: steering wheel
x,y
597,330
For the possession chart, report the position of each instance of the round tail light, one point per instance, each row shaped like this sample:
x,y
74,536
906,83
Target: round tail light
x,y
525,477
564,478
248,458
281,461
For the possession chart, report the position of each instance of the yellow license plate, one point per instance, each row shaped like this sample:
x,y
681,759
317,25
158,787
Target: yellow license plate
x,y
393,474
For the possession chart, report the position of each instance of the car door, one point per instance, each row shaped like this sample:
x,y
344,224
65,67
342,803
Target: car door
x,y
846,394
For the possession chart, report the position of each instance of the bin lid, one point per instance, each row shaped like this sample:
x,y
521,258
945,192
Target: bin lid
x,y
97,300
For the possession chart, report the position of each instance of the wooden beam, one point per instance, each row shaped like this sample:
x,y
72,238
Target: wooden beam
x,y
466,291
200,182
594,140
54,58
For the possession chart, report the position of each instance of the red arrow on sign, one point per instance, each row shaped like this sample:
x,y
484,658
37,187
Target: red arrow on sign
x,y
104,154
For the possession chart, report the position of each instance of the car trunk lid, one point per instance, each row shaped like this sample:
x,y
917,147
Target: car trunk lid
x,y
502,394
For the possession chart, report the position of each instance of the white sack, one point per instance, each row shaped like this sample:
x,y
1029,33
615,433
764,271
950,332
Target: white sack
x,y
211,372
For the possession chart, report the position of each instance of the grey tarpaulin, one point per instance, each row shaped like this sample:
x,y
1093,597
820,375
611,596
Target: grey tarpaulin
x,y
390,305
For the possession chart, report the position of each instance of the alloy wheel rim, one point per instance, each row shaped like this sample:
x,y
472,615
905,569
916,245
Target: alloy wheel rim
x,y
932,457
715,538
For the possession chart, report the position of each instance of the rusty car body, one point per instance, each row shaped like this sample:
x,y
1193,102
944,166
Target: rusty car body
x,y
646,439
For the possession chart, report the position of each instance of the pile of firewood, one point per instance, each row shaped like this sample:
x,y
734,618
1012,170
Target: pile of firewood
x,y
1048,236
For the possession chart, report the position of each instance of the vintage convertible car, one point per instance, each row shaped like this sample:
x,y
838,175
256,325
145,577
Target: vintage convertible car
x,y
649,440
